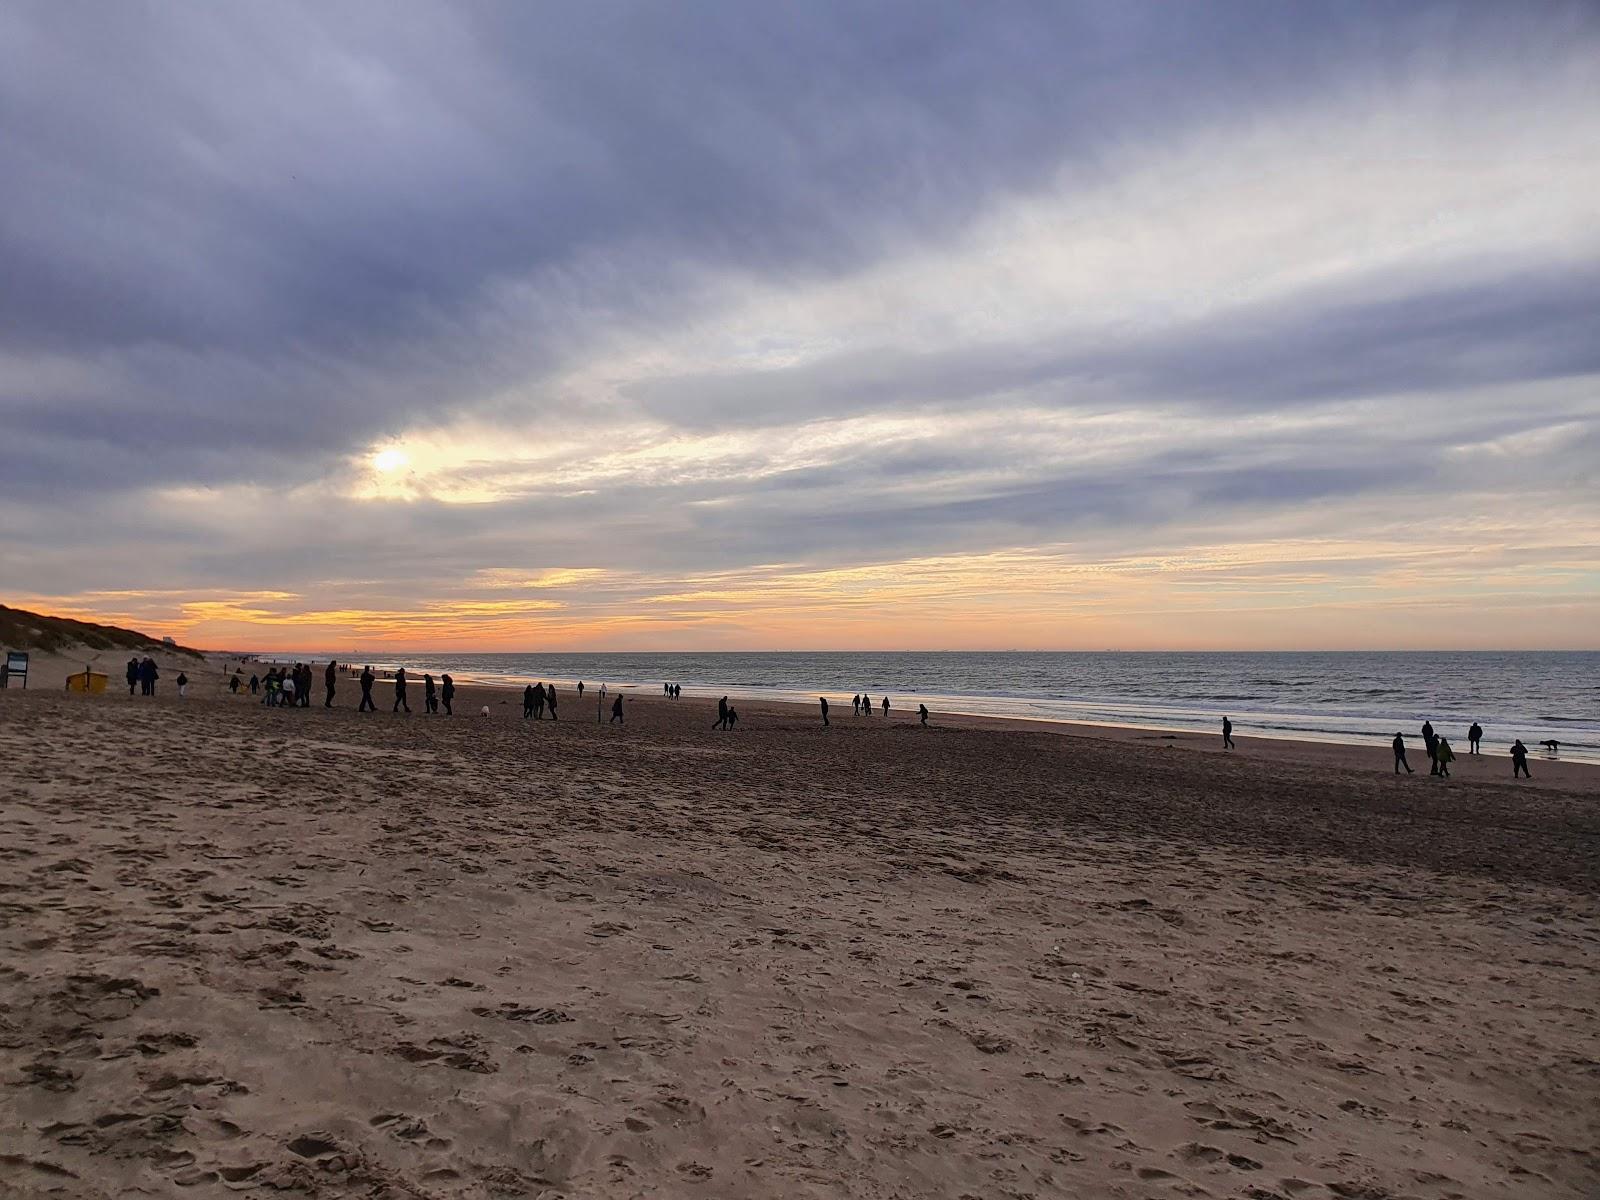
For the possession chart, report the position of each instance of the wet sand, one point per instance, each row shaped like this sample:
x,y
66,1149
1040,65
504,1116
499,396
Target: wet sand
x,y
350,955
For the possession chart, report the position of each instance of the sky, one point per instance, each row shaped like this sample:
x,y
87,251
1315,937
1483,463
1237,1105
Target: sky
x,y
877,325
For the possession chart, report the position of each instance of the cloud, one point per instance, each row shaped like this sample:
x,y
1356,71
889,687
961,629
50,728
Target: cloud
x,y
653,295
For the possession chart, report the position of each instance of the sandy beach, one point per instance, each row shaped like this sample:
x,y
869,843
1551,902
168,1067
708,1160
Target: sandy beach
x,y
340,955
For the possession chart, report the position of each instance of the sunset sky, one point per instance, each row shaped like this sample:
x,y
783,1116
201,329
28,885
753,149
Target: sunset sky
x,y
755,326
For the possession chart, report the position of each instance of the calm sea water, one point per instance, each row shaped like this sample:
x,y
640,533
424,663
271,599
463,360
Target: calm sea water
x,y
1340,697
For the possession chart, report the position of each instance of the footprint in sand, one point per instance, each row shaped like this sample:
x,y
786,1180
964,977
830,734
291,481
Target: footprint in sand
x,y
410,1129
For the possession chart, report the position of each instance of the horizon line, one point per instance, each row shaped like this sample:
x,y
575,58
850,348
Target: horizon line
x,y
1006,650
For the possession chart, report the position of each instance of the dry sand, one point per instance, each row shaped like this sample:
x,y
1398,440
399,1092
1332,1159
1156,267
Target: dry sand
x,y
376,956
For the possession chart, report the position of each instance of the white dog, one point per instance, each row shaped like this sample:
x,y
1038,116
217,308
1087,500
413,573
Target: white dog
x,y
484,711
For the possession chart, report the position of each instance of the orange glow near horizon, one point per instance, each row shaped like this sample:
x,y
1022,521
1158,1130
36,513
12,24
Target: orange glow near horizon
x,y
1283,595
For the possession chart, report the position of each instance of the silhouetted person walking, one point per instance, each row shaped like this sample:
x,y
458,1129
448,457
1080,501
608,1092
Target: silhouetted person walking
x,y
722,714
855,705
233,684
329,677
430,694
733,716
133,674
367,678
1446,756
1519,760
616,712
400,692
922,713
1430,743
1474,736
1227,734
886,708
1400,755
183,685
255,684
824,701
550,699
527,702
447,693
580,689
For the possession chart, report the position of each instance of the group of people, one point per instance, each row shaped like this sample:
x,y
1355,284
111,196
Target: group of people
x,y
1441,754
728,716
142,674
290,687
537,696
861,706
434,694
284,687
672,690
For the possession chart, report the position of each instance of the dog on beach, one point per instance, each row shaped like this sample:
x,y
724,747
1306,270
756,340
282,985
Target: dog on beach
x,y
484,711
1551,745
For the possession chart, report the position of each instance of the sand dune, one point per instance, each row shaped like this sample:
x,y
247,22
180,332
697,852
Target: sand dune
x,y
332,955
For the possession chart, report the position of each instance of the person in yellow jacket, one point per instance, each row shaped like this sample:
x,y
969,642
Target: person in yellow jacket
x,y
1446,756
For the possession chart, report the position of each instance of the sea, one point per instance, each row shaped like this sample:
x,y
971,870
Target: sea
x,y
1352,696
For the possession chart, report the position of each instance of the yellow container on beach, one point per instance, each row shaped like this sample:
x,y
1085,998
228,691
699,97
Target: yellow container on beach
x,y
86,681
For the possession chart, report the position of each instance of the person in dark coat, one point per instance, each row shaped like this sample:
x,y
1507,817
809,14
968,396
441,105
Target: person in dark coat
x,y
133,674
1519,760
329,678
255,684
722,714
1474,736
148,674
550,699
447,693
1430,742
538,701
616,712
527,702
233,684
430,694
400,692
824,700
886,708
922,713
1227,734
1400,755
367,678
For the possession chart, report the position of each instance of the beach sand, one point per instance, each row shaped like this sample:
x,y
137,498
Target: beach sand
x,y
258,951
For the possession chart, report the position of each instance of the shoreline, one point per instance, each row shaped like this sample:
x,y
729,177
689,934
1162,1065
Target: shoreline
x,y
1276,746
